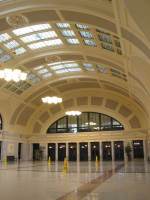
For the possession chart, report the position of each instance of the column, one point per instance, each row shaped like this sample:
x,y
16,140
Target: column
x,y
67,150
78,152
89,151
132,152
145,149
56,152
112,151
100,151
125,155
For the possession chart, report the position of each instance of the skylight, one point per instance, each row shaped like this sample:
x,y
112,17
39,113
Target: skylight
x,y
73,41
30,29
47,43
82,26
90,42
4,37
12,44
68,33
39,36
63,25
86,34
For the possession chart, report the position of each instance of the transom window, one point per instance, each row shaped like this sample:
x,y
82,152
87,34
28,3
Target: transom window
x,y
86,122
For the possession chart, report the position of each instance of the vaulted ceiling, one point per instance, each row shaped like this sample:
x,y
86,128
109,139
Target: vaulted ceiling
x,y
74,50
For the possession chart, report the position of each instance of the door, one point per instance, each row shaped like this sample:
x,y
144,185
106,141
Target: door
x,y
106,151
119,150
72,151
19,151
84,151
61,151
138,149
36,151
94,150
51,151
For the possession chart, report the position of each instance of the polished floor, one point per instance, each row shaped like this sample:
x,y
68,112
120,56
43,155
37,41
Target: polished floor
x,y
84,180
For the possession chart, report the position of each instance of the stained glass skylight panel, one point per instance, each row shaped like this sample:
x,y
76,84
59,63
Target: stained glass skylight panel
x,y
33,78
105,38
4,37
107,46
68,33
63,25
102,69
47,43
90,42
17,88
30,29
82,26
86,34
67,70
38,36
42,71
73,41
47,75
12,44
88,66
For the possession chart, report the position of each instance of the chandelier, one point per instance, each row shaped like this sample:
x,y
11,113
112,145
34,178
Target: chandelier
x,y
73,113
13,75
51,100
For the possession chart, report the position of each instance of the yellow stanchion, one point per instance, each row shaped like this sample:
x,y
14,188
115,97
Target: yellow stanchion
x,y
49,160
65,165
5,161
97,163
97,160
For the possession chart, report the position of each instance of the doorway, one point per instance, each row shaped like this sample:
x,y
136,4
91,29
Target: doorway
x,y
138,149
94,150
72,151
119,150
107,154
36,151
51,151
84,151
61,151
19,150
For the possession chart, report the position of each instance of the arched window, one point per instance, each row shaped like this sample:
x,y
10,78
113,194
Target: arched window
x,y
1,122
86,122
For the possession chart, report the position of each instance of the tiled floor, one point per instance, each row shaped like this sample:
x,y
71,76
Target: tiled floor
x,y
84,180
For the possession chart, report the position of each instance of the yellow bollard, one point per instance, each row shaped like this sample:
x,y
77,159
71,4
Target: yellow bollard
x,y
65,165
5,160
49,160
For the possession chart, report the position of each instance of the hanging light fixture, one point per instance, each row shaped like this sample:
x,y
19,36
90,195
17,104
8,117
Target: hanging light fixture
x,y
51,100
73,113
15,75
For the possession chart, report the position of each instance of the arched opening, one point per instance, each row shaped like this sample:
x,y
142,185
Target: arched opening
x,y
86,122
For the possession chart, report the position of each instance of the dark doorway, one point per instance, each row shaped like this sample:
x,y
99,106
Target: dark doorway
x,y
36,151
119,150
107,151
84,151
94,150
138,149
72,151
0,149
51,151
19,150
61,151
